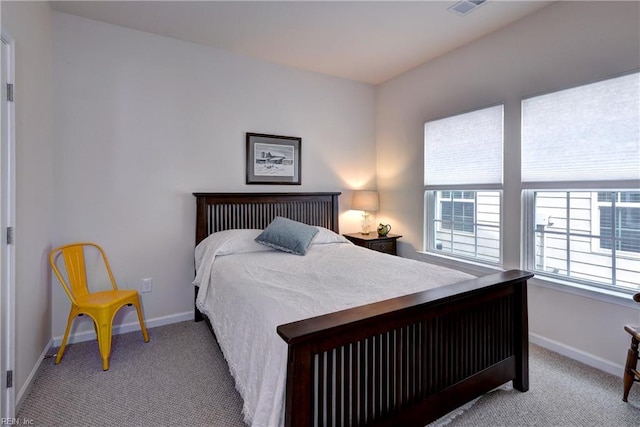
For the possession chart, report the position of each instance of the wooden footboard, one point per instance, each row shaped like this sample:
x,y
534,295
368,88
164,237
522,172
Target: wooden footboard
x,y
408,360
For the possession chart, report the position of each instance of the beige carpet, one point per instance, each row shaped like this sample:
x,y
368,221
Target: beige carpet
x,y
180,378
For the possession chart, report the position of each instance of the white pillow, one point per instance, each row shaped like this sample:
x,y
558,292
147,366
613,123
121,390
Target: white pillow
x,y
229,242
325,236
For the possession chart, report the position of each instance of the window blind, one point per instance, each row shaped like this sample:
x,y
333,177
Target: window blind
x,y
583,136
465,150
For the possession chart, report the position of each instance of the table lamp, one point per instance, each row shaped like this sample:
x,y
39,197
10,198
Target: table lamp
x,y
365,201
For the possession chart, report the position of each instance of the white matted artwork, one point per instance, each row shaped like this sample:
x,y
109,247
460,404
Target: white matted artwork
x,y
273,159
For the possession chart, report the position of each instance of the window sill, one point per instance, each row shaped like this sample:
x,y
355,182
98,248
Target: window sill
x,y
467,266
593,292
477,269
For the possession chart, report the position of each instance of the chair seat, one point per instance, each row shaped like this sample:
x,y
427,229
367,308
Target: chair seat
x,y
106,298
633,330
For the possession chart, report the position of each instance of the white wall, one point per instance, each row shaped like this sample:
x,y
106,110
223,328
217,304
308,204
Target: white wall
x,y
565,44
29,24
142,121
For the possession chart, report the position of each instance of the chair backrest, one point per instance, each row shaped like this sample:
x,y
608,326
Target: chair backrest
x,y
74,263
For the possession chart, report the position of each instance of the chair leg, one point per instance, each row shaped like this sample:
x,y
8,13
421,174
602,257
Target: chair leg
x,y
630,366
143,328
104,339
72,315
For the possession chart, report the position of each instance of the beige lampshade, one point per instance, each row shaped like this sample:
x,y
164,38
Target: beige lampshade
x,y
365,200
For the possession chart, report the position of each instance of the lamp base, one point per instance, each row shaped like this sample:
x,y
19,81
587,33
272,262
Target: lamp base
x,y
366,224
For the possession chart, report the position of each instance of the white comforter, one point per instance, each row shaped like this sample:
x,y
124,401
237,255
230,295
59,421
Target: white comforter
x,y
247,290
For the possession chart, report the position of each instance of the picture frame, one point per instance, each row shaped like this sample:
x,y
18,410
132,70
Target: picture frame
x,y
273,159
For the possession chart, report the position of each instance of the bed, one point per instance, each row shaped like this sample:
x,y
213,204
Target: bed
x,y
405,360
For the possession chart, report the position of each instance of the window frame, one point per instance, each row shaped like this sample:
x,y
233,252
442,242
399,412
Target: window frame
x,y
601,183
493,184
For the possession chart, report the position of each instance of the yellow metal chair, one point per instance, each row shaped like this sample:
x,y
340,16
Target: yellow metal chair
x,y
100,306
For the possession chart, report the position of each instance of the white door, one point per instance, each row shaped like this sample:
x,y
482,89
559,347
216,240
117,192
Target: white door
x,y
7,214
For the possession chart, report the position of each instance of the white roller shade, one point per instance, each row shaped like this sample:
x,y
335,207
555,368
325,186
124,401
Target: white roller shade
x,y
465,150
583,135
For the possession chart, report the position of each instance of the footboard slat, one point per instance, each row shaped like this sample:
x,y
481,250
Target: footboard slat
x,y
384,384
320,393
331,396
398,350
414,362
339,385
362,382
354,382
371,383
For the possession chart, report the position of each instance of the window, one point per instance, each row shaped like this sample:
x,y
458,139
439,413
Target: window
x,y
581,180
463,182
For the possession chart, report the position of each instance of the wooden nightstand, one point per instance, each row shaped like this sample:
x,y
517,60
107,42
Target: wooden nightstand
x,y
386,244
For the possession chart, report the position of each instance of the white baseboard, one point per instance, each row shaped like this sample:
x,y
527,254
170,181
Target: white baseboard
x,y
24,390
127,327
579,355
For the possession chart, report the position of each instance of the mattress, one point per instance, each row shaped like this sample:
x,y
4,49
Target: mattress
x,y
248,289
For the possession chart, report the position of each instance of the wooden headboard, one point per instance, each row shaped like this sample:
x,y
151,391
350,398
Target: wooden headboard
x,y
224,211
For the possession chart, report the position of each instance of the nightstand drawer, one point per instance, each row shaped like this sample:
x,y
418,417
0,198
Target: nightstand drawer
x,y
388,246
385,244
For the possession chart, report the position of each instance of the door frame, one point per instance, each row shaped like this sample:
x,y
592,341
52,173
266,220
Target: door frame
x,y
7,249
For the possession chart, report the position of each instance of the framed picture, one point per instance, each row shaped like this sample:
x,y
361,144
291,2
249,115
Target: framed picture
x,y
273,159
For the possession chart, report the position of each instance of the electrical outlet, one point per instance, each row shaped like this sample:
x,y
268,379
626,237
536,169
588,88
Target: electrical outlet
x,y
147,285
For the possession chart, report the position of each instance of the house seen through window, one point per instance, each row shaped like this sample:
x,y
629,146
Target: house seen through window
x,y
620,220
588,236
467,224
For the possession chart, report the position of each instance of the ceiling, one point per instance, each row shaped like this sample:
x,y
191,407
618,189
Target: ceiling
x,y
366,41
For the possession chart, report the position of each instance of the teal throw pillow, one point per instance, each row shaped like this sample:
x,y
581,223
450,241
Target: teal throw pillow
x,y
288,235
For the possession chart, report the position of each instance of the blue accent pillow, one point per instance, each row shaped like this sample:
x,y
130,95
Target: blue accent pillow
x,y
287,235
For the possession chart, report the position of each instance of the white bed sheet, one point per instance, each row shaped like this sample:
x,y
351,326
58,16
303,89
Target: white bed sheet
x,y
247,290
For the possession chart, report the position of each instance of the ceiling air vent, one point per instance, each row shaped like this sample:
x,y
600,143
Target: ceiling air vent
x,y
464,7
